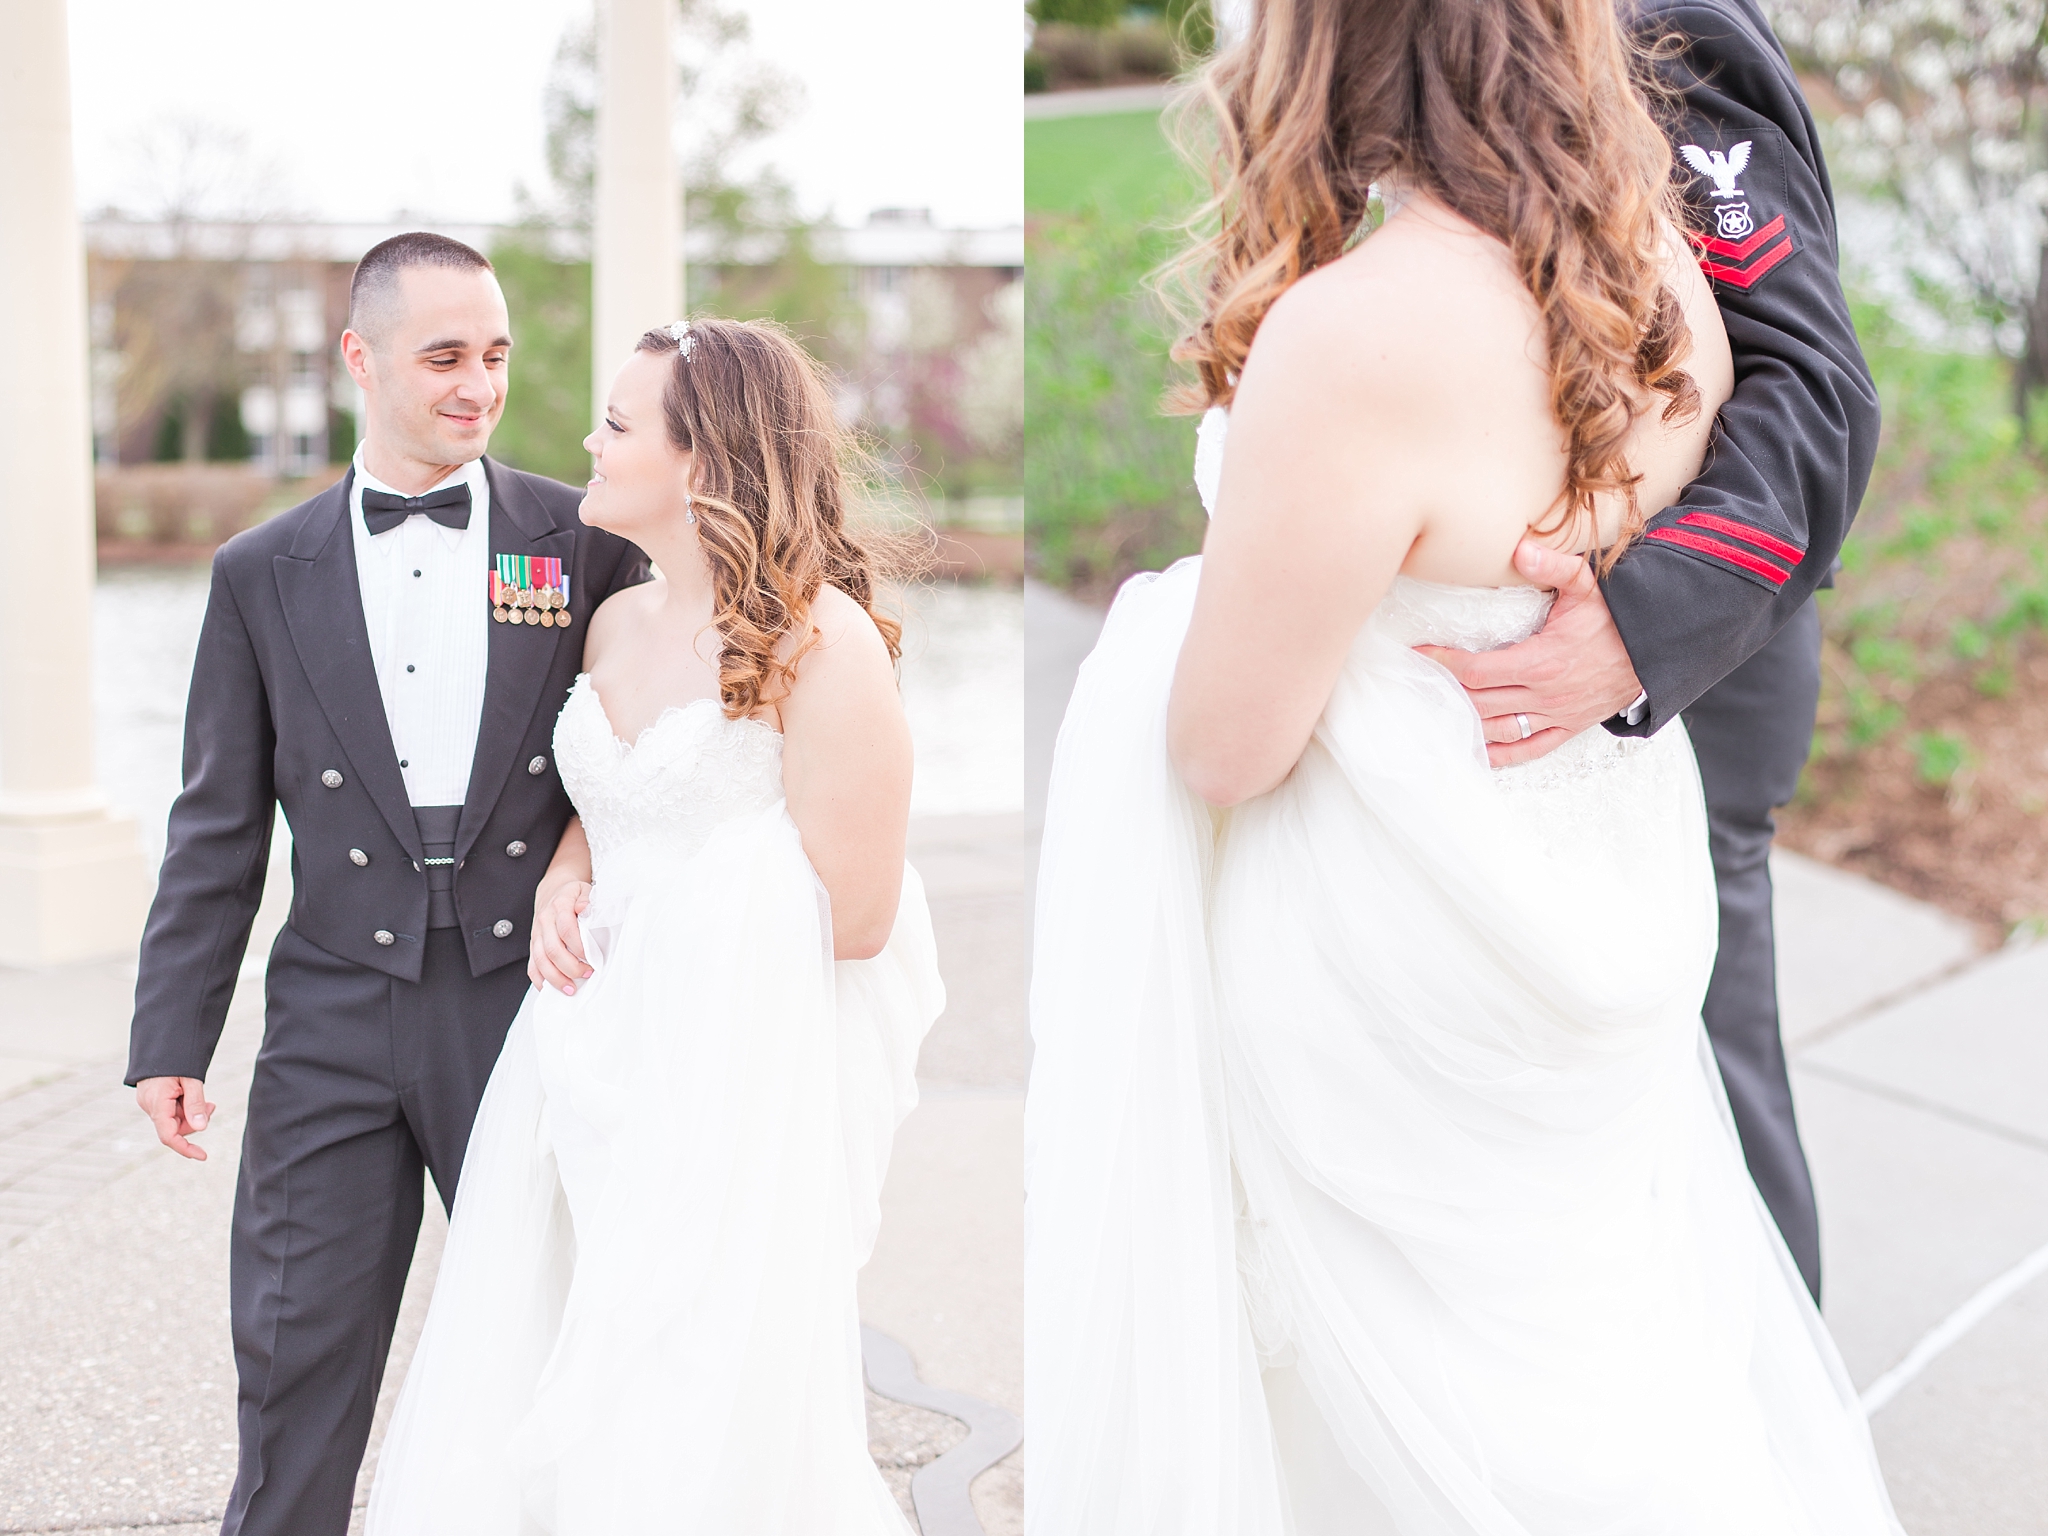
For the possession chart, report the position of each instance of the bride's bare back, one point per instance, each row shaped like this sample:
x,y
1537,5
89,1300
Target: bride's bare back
x,y
1487,462
1393,418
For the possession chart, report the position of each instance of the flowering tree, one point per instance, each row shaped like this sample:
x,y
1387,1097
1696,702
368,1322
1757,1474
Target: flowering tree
x,y
1938,107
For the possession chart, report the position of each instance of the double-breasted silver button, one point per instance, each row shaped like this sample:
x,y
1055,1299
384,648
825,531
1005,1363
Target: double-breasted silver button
x,y
332,778
537,767
385,936
515,849
357,857
502,928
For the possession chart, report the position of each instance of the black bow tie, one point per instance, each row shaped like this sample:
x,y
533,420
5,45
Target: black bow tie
x,y
448,506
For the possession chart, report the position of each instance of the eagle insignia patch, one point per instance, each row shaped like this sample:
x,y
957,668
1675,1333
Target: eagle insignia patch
x,y
1722,172
1738,253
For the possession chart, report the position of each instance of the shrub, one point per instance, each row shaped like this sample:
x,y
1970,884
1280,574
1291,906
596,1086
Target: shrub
x,y
1079,13
1074,53
1938,756
1107,482
1145,50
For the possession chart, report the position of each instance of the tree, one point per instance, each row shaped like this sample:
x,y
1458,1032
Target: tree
x,y
1940,112
727,102
174,319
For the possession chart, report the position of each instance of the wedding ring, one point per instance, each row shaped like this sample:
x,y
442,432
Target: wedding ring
x,y
1522,725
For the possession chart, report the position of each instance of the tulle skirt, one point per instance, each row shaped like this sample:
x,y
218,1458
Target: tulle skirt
x,y
1380,1178
645,1318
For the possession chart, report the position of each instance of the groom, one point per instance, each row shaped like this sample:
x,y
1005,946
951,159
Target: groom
x,y
355,668
1711,615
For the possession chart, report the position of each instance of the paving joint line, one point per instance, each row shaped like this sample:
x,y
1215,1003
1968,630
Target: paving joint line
x,y
939,1490
1954,1328
1862,1013
1935,1107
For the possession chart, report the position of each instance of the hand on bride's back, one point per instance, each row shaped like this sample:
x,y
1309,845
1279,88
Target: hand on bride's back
x,y
846,766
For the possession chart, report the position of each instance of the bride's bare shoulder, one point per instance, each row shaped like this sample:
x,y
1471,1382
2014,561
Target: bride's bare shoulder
x,y
839,638
618,615
1416,314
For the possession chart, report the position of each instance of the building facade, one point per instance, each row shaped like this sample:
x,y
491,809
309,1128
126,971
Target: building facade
x,y
220,341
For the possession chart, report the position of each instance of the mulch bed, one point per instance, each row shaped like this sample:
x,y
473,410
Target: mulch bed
x,y
1977,847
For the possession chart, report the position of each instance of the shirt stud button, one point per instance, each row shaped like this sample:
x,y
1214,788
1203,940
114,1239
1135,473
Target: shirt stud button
x,y
385,936
537,767
408,666
331,778
515,849
357,857
502,928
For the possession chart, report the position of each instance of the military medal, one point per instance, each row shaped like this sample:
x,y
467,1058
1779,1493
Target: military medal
x,y
530,589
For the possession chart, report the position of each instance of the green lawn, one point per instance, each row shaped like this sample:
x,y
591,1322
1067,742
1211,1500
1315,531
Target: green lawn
x,y
1106,475
1120,163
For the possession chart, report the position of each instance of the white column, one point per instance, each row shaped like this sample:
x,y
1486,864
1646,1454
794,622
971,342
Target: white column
x,y
72,883
637,226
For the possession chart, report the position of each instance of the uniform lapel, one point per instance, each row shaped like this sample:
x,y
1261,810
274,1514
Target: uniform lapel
x,y
323,608
521,655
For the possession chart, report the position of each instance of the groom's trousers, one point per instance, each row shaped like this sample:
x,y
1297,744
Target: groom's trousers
x,y
1752,732
362,1081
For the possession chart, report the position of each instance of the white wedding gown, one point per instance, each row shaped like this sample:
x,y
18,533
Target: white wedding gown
x,y
645,1319
1380,1177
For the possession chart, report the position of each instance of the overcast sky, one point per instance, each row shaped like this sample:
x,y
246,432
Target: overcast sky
x,y
434,108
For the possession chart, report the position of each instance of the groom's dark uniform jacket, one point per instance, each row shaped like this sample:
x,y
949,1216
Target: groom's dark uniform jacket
x,y
285,710
1722,571
388,993
1715,602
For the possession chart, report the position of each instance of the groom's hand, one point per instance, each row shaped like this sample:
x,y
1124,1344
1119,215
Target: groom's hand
x,y
177,1107
1572,673
556,958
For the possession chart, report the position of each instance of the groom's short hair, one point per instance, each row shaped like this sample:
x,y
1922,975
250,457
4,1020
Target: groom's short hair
x,y
375,284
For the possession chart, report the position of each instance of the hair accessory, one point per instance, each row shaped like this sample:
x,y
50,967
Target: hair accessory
x,y
684,340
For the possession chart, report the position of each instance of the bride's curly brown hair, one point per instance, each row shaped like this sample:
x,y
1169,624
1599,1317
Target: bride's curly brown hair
x,y
1528,118
772,485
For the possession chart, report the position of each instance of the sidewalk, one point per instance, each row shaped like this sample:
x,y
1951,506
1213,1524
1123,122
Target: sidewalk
x,y
114,1354
1920,1070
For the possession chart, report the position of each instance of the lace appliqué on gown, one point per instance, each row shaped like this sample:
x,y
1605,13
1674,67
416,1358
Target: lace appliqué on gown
x,y
689,770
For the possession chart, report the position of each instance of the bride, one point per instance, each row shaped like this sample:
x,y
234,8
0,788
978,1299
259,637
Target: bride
x,y
1380,1178
645,1317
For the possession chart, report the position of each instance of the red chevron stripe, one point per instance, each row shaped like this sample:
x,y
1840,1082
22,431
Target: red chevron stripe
x,y
1792,554
1747,278
1732,553
1749,247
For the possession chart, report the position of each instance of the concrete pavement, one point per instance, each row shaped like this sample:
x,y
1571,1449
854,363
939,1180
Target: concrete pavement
x,y
114,1352
1920,1072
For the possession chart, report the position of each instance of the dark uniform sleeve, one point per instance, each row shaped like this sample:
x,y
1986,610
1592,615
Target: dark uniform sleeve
x,y
1718,574
217,853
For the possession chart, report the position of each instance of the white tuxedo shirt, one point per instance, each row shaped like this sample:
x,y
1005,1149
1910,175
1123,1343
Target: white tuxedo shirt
x,y
427,608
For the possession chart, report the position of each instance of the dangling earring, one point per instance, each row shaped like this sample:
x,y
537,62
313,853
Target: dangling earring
x,y
688,515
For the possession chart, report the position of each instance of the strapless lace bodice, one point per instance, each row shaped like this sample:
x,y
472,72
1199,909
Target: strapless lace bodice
x,y
688,772
1467,618
1481,619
